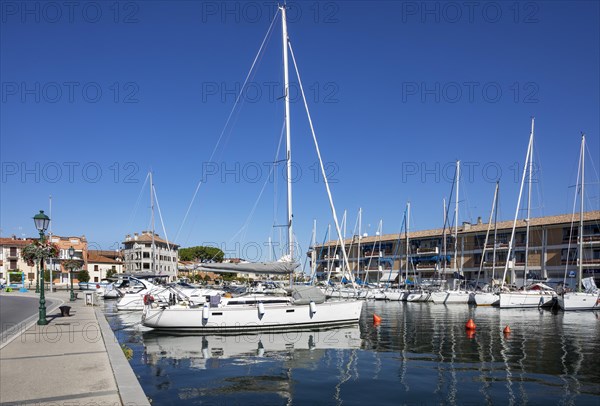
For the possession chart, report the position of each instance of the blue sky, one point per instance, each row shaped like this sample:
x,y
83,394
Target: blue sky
x,y
95,95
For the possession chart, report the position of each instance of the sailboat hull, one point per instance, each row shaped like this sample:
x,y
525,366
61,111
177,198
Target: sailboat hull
x,y
245,319
486,299
529,299
579,301
450,297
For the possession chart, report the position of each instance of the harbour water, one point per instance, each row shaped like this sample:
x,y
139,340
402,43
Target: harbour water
x,y
420,354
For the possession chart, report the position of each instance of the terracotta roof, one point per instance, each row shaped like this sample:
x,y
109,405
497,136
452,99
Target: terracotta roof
x,y
13,242
477,228
147,237
93,257
107,253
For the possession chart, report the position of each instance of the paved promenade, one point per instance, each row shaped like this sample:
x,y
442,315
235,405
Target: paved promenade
x,y
71,361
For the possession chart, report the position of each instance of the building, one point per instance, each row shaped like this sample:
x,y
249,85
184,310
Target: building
x,y
11,263
100,262
139,249
552,253
60,275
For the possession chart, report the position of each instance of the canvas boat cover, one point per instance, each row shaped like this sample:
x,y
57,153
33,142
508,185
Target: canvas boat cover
x,y
279,267
589,284
306,294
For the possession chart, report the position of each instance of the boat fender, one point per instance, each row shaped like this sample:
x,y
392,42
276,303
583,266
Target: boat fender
x,y
205,312
261,308
313,307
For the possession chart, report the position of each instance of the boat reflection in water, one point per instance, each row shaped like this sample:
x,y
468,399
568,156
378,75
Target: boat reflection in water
x,y
202,351
247,365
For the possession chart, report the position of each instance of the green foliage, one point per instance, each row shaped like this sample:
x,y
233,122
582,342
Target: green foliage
x,y
128,352
111,272
83,276
229,276
72,264
201,253
39,251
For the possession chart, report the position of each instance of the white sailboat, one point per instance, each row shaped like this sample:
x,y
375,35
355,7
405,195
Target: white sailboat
x,y
538,294
589,299
305,308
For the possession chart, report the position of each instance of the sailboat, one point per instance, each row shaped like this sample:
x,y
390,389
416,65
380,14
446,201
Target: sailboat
x,y
538,294
589,299
305,308
455,295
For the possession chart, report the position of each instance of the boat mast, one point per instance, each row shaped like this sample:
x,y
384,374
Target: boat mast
x,y
152,221
288,146
358,245
456,218
444,247
407,239
495,231
525,268
581,207
512,234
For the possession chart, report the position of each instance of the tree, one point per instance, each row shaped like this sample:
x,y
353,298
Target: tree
x,y
83,276
110,273
201,253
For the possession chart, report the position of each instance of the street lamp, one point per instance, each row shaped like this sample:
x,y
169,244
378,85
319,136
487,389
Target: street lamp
x,y
41,223
71,253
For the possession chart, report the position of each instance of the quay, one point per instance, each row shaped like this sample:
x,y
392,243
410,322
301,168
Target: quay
x,y
72,360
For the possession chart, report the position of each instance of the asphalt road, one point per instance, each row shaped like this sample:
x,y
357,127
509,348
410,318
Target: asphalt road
x,y
16,309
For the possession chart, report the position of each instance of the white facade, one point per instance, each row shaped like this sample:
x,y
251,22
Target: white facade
x,y
138,251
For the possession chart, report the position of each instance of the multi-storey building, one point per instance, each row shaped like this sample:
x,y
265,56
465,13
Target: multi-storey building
x,y
11,262
60,275
138,254
552,254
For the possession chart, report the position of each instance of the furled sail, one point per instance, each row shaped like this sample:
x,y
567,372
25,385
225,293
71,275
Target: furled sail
x,y
279,267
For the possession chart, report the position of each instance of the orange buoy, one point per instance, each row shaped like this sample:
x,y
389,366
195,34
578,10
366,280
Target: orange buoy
x,y
470,325
470,334
506,330
376,319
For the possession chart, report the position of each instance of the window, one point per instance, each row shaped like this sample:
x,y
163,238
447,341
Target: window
x,y
146,255
572,254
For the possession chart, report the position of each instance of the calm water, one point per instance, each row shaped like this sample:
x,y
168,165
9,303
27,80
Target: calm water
x,y
420,354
